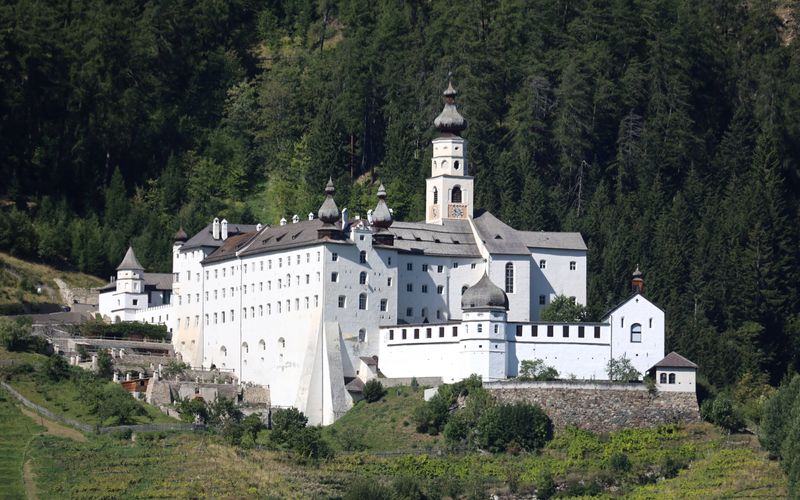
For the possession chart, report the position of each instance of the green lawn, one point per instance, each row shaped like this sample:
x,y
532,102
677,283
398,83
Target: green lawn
x,y
63,397
16,434
384,425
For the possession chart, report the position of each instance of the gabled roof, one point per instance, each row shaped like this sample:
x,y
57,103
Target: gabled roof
x,y
674,360
130,262
500,238
156,281
625,301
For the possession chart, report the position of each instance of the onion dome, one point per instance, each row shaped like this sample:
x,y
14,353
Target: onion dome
x,y
180,236
329,212
381,217
484,295
449,120
130,262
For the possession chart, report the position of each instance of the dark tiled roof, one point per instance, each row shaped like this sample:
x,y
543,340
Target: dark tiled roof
x,y
157,281
204,237
452,238
369,360
499,237
674,360
229,247
545,239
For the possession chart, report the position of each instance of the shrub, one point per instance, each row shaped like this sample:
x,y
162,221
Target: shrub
x,y
367,489
285,423
308,443
373,391
621,370
112,404
192,410
721,412
407,488
15,335
536,370
56,368
619,462
545,485
105,364
563,309
523,424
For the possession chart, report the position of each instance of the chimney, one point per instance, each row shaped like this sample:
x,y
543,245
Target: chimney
x,y
295,219
344,219
310,215
369,216
259,227
224,229
283,221
637,283
215,229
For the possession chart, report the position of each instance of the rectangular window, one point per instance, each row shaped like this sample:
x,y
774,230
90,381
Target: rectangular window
x,y
441,331
260,310
580,332
519,330
480,328
424,288
403,333
316,300
549,330
308,303
409,311
428,333
334,277
269,264
597,332
261,265
383,304
542,300
388,281
409,267
391,334
206,319
409,287
542,264
455,265
416,333
565,330
424,268
308,279
572,265
534,330
342,301
455,331
216,273
440,289
439,268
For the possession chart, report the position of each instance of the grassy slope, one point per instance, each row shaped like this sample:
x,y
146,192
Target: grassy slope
x,y
385,425
19,279
16,433
63,397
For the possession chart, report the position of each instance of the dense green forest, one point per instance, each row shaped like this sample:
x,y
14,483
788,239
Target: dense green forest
x,y
666,131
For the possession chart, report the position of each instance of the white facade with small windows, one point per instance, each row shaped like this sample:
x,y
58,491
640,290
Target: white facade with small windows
x,y
300,306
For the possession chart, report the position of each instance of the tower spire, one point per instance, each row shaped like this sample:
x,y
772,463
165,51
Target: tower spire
x,y
450,120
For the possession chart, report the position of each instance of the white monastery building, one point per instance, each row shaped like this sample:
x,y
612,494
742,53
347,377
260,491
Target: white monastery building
x,y
312,308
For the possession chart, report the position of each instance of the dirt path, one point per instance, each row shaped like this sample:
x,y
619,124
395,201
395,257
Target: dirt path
x,y
54,428
29,479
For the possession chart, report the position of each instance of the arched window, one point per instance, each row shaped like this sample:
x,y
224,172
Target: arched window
x,y
362,335
662,378
262,345
455,195
281,343
671,378
636,332
435,196
223,351
362,278
464,289
362,257
362,301
456,165
245,347
509,277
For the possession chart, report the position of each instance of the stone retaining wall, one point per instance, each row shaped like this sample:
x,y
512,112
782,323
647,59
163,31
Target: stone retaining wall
x,y
600,407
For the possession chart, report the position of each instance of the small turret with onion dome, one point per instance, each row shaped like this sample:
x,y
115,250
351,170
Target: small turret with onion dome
x,y
484,296
328,214
382,220
450,120
180,237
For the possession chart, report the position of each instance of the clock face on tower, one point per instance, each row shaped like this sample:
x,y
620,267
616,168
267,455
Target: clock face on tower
x,y
458,212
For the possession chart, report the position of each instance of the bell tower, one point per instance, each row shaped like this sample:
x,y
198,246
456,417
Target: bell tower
x,y
449,192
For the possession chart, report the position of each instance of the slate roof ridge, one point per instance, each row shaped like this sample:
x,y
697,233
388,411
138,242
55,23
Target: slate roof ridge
x,y
675,360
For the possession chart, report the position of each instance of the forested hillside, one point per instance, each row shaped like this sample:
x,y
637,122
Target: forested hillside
x,y
666,131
